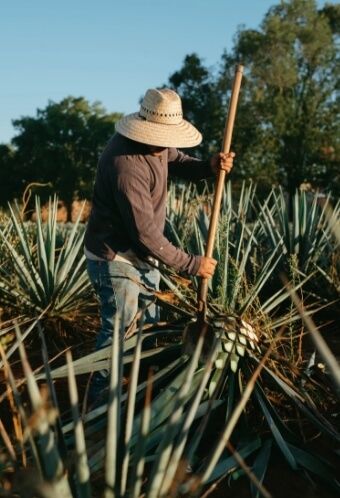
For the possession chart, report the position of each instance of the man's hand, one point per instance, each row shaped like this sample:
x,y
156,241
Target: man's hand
x,y
222,161
207,267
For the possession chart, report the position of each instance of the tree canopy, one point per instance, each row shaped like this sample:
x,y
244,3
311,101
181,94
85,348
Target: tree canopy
x,y
292,104
287,125
286,129
59,147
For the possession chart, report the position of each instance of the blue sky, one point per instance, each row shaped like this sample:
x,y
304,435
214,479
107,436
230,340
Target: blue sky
x,y
110,51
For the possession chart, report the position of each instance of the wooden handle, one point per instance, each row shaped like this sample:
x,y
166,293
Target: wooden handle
x,y
228,131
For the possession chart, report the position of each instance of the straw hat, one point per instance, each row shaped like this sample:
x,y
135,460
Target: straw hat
x,y
159,122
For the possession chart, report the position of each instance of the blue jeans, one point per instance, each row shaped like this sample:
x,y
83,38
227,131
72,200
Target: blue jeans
x,y
118,293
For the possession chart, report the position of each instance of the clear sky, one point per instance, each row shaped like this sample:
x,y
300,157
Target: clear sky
x,y
110,51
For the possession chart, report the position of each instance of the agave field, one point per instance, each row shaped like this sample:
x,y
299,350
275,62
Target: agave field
x,y
257,414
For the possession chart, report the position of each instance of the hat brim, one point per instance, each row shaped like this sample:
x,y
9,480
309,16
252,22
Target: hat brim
x,y
137,128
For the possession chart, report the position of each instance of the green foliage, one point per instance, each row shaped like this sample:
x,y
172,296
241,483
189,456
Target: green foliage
x,y
245,265
252,253
43,269
168,434
306,238
289,115
256,242
287,127
173,430
60,147
197,87
8,178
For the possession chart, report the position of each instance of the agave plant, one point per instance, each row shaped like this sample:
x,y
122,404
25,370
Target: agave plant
x,y
155,437
189,397
181,425
145,451
306,238
43,270
245,268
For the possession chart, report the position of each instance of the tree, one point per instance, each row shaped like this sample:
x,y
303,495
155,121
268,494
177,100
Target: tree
x,y
205,98
290,113
287,123
60,147
8,179
201,102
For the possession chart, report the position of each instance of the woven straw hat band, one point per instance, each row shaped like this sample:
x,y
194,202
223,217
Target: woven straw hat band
x,y
162,106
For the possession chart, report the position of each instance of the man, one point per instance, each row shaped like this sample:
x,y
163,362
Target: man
x,y
124,240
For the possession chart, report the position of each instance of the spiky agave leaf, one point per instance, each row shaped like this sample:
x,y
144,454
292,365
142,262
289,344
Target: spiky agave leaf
x,y
237,302
166,441
168,425
306,237
37,276
50,478
129,440
173,398
81,464
245,319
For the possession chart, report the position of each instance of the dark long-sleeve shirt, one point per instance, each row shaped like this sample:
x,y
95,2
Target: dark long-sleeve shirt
x,y
129,202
